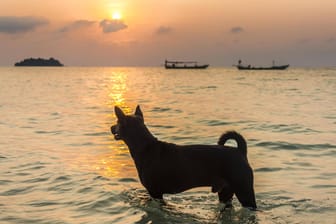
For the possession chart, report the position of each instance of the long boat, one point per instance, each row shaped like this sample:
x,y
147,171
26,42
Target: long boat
x,y
273,67
184,65
279,67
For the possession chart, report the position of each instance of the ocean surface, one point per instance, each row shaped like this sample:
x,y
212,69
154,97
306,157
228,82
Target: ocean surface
x,y
59,162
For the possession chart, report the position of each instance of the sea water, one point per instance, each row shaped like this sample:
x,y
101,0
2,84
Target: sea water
x,y
59,162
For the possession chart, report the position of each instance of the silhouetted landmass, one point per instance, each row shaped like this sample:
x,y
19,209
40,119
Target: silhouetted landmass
x,y
39,62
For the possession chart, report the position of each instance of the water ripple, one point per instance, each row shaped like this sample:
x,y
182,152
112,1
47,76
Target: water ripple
x,y
36,180
161,109
43,203
17,191
284,128
268,169
215,122
294,146
97,134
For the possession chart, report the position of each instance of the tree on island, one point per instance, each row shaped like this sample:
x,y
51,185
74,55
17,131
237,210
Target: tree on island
x,y
39,62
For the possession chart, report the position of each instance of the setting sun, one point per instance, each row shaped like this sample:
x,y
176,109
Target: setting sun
x,y
116,15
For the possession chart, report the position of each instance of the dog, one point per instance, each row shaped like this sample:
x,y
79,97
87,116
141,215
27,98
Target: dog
x,y
166,168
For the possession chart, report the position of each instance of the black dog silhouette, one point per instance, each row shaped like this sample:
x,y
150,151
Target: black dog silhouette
x,y
169,168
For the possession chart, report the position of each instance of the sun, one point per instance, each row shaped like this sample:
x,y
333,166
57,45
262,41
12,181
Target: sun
x,y
116,16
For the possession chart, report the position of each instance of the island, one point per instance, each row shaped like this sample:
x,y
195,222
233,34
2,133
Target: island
x,y
39,62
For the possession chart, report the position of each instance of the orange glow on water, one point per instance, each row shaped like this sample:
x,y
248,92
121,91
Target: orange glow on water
x,y
117,89
116,164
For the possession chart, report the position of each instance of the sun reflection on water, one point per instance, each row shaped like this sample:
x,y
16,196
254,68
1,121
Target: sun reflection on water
x,y
116,163
118,89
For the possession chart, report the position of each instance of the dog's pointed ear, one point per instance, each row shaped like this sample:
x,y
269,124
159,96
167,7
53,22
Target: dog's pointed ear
x,y
138,112
119,113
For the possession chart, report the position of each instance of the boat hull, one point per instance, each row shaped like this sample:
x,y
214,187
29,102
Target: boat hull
x,y
187,67
281,67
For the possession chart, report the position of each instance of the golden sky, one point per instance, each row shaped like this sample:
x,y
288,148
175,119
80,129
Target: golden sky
x,y
146,32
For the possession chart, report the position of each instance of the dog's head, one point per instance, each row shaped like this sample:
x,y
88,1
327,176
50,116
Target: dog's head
x,y
127,125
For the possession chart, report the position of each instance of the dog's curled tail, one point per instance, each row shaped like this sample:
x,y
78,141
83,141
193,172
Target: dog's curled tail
x,y
241,143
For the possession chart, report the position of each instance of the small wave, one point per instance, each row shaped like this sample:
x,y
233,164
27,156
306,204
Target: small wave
x,y
135,196
294,146
296,210
105,201
100,178
22,174
36,180
128,180
208,87
49,132
62,184
37,167
5,182
43,203
97,134
24,168
27,127
85,190
332,117
160,109
179,138
16,219
298,163
17,191
92,108
81,144
292,89
268,169
61,179
173,209
162,126
215,122
324,186
326,176
284,128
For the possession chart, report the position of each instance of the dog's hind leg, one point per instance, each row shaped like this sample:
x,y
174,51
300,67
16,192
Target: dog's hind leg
x,y
246,197
156,195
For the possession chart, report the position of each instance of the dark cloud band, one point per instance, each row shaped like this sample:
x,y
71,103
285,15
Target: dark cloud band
x,y
77,25
163,30
13,24
110,26
237,29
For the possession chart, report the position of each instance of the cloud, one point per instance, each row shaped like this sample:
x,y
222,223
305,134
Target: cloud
x,y
77,25
14,24
304,41
110,26
331,40
236,29
163,30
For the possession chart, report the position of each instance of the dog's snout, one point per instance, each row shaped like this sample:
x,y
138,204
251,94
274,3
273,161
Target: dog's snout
x,y
113,129
115,132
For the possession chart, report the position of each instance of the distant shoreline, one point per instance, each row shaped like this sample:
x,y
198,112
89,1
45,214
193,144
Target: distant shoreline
x,y
39,62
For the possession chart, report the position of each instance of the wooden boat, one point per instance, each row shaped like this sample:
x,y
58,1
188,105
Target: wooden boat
x,y
184,65
280,67
249,67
